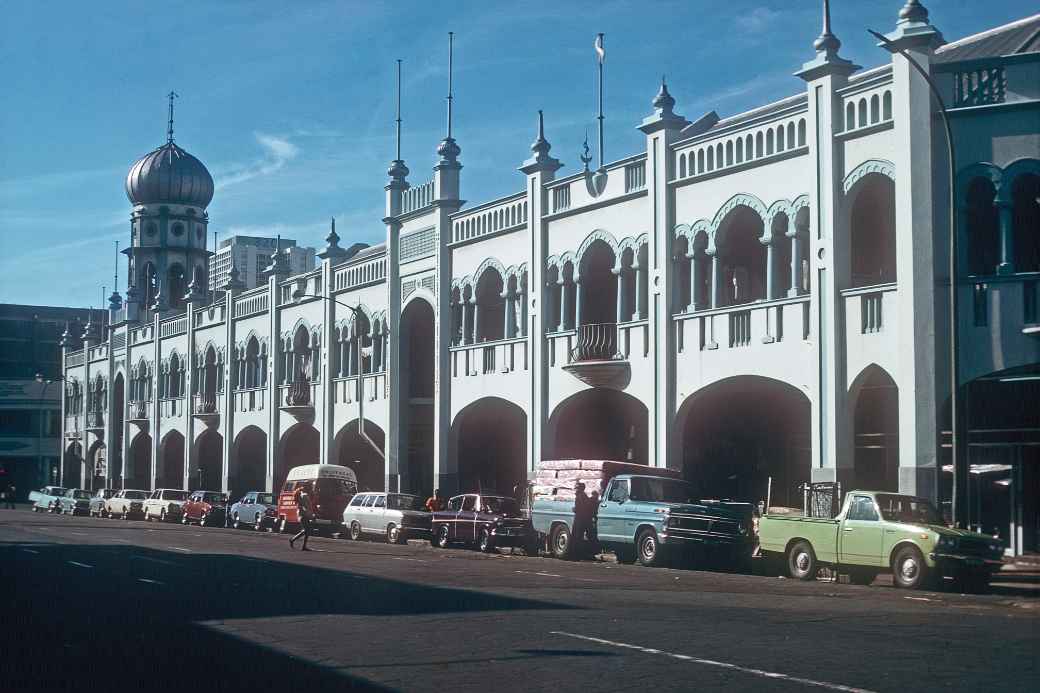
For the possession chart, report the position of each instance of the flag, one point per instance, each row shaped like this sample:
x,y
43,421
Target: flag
x,y
600,52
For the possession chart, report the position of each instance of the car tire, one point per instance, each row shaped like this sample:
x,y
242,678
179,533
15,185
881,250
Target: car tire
x,y
560,542
185,520
126,514
648,549
394,535
355,531
862,576
235,522
801,561
909,571
258,522
35,509
162,515
486,542
442,539
204,520
283,526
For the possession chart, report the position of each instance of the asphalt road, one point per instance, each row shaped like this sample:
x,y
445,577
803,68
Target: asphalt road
x,y
95,604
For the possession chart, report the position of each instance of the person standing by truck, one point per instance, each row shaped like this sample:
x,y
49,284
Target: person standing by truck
x,y
302,499
583,510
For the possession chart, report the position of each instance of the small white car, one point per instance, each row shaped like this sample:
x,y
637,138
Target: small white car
x,y
396,517
46,499
126,504
165,505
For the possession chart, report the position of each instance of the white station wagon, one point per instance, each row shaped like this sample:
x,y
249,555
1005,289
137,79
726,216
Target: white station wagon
x,y
165,505
396,516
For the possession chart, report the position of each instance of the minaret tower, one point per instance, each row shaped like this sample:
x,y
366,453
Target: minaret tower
x,y
169,190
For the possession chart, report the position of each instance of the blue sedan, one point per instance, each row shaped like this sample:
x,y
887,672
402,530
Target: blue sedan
x,y
257,509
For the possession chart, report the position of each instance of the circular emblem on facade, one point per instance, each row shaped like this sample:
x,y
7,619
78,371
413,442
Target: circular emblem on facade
x,y
821,253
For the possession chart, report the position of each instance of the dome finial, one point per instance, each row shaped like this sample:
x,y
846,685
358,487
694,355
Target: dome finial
x,y
914,11
169,129
827,42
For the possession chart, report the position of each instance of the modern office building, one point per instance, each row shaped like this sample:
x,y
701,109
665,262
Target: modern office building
x,y
251,255
759,300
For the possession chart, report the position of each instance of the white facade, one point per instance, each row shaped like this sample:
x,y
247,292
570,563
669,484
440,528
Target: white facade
x,y
759,300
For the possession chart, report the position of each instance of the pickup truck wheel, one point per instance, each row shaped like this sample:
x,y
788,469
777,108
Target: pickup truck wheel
x,y
560,542
648,549
442,539
801,561
909,570
486,544
235,521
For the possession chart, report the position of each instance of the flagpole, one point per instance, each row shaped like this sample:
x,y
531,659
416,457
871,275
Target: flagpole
x,y
600,118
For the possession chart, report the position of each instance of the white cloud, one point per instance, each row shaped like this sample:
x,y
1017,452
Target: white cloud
x,y
278,151
757,20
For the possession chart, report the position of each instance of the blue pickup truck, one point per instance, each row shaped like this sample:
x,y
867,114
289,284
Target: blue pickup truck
x,y
652,520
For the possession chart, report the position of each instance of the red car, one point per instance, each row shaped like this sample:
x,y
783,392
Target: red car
x,y
208,508
330,487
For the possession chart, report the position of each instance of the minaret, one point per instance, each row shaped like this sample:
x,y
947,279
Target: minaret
x,y
540,170
279,268
332,249
825,75
394,188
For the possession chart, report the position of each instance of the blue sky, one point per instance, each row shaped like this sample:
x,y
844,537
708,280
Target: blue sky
x,y
290,105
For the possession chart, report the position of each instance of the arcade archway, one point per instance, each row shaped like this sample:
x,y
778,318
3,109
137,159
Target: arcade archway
x,y
247,468
736,434
357,453
209,462
169,471
301,444
72,462
598,424
416,402
489,443
97,464
876,431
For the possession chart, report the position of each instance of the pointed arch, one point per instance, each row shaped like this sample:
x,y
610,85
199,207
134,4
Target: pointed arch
x,y
882,166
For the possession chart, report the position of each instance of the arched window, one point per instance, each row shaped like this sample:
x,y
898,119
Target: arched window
x,y
1025,201
850,116
983,228
875,109
769,142
719,155
886,105
682,165
758,145
176,287
861,114
729,153
780,138
149,283
740,150
801,132
742,257
749,147
301,355
598,292
175,378
790,135
490,308
711,158
872,225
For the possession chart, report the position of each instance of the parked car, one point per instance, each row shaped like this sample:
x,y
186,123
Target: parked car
x,y
74,502
208,508
876,532
126,504
652,519
46,499
99,500
331,488
484,521
397,517
164,504
256,509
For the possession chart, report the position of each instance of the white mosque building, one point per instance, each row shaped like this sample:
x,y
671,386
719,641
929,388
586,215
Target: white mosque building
x,y
758,300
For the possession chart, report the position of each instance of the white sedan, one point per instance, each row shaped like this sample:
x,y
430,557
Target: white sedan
x,y
126,503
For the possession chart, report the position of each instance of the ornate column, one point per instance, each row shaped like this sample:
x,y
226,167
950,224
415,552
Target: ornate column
x,y
716,280
770,273
577,302
507,321
476,320
619,281
640,312
694,283
794,233
1007,238
562,284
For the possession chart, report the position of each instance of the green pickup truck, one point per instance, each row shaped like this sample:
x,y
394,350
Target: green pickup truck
x,y
875,532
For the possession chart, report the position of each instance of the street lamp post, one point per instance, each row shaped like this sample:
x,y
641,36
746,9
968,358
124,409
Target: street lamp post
x,y
301,294
46,382
958,501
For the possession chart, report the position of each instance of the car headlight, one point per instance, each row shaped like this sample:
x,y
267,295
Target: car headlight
x,y
946,542
744,529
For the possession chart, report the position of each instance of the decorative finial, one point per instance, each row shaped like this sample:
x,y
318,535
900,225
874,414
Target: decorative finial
x,y
913,11
398,171
332,249
664,102
601,54
540,161
448,149
827,42
398,120
233,281
586,157
169,130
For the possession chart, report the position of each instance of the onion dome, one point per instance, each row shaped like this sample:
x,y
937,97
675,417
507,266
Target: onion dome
x,y
169,175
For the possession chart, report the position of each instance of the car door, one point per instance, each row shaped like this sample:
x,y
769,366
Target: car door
x,y
379,513
610,521
466,524
365,513
862,534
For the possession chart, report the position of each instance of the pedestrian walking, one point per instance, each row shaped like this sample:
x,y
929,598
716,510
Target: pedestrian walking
x,y
9,497
435,502
302,498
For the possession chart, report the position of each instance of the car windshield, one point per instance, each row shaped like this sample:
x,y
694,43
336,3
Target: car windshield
x,y
213,497
265,498
333,488
58,491
660,490
499,506
396,501
174,495
135,495
81,495
908,509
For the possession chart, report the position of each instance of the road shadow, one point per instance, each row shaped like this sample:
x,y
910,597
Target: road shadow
x,y
134,616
